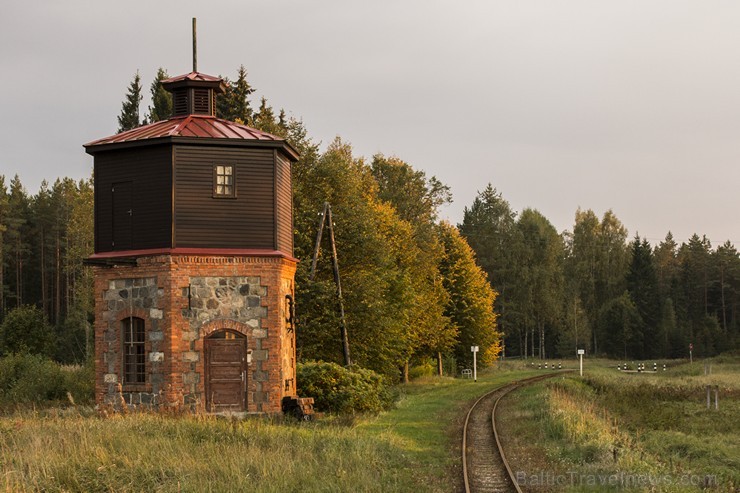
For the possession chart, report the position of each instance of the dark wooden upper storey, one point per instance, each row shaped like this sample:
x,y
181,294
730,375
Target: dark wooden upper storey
x,y
193,182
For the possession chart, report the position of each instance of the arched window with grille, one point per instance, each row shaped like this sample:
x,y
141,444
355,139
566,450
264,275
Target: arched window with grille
x,y
134,350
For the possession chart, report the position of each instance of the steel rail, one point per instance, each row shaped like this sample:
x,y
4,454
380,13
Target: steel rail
x,y
503,390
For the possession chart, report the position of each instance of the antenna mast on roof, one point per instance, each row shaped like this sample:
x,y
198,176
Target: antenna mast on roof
x,y
195,48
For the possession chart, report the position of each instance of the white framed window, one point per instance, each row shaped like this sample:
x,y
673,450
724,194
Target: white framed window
x,y
224,181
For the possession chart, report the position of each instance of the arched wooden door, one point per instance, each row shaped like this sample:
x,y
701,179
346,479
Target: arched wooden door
x,y
226,371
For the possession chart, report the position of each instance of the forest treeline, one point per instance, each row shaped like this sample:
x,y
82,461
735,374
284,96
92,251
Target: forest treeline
x,y
45,291
411,288
415,288
594,288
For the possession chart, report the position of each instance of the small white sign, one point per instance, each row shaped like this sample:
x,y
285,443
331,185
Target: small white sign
x,y
581,351
474,349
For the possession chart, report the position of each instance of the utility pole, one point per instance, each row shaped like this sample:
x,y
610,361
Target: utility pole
x,y
326,215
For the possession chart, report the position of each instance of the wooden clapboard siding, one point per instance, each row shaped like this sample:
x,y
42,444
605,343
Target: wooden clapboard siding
x,y
150,172
202,221
284,201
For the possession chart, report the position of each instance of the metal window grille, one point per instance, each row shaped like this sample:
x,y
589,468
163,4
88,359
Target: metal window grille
x,y
134,351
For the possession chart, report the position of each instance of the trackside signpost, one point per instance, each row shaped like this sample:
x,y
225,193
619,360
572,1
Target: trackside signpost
x,y
474,349
580,357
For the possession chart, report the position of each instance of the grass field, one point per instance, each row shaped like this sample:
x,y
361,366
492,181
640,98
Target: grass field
x,y
411,448
602,425
612,431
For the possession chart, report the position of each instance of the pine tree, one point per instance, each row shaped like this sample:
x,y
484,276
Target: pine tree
x,y
17,240
3,229
43,213
161,108
129,117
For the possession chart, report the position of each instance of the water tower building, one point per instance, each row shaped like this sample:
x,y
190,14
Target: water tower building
x,y
194,267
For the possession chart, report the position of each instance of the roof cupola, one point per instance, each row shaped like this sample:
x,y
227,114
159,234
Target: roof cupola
x,y
194,93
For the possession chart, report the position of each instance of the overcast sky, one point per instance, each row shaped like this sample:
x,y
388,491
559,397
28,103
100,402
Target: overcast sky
x,y
626,105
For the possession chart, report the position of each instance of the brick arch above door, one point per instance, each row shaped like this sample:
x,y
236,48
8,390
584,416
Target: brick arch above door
x,y
209,328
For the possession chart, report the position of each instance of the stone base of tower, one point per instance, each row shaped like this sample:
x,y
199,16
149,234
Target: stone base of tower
x,y
196,332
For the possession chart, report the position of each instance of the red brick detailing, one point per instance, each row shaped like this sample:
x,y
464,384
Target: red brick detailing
x,y
214,325
133,312
181,336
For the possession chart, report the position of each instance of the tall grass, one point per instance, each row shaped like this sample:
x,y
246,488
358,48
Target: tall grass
x,y
654,425
410,448
146,452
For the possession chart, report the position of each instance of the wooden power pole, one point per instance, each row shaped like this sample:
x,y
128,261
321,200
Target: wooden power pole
x,y
326,216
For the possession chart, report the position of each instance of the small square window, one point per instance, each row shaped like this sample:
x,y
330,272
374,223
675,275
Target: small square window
x,y
223,181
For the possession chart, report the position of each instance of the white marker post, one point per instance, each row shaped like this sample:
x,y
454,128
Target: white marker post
x,y
580,356
475,363
691,352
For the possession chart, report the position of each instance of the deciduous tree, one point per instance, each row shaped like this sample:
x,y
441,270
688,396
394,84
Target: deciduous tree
x,y
471,299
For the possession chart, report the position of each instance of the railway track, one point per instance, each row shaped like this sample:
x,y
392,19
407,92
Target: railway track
x,y
485,468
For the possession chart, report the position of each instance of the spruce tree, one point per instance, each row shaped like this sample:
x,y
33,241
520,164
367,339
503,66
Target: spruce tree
x,y
642,285
234,104
264,119
240,109
129,117
489,228
161,108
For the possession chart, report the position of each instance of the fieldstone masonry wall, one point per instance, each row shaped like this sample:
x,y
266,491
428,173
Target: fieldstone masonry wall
x,y
140,298
217,303
182,300
237,298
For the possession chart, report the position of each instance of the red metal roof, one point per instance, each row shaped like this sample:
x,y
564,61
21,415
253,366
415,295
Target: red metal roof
x,y
196,76
199,126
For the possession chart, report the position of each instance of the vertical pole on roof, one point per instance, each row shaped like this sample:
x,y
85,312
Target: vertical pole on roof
x,y
195,48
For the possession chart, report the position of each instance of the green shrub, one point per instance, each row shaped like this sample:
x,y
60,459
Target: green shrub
x,y
34,379
424,369
343,390
25,330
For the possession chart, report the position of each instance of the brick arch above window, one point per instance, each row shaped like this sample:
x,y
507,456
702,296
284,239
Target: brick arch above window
x,y
129,312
